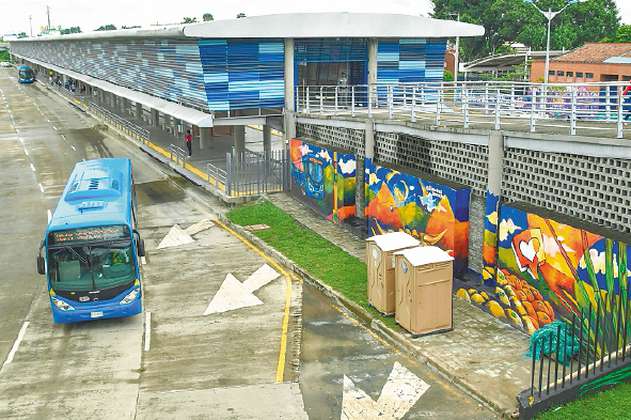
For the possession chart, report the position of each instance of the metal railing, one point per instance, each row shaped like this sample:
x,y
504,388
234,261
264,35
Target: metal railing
x,y
570,108
588,352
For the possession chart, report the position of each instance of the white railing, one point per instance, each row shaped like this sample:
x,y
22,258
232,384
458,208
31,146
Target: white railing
x,y
602,107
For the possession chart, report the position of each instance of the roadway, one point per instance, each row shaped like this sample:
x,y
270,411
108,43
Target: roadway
x,y
173,361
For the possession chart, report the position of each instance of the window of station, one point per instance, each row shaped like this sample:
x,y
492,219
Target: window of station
x,y
579,74
331,62
551,73
560,73
589,75
570,74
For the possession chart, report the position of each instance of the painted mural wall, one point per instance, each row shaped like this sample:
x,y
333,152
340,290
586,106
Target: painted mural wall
x,y
436,213
324,178
548,269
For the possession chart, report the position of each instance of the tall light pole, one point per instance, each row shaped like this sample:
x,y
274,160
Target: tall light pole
x,y
48,15
457,54
30,24
550,15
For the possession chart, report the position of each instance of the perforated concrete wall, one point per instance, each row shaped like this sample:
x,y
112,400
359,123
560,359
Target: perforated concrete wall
x,y
343,138
593,189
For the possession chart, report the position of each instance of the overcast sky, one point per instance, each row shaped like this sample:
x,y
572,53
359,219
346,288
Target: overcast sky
x,y
90,14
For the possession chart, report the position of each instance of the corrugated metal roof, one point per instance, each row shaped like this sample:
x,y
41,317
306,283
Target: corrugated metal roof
x,y
297,25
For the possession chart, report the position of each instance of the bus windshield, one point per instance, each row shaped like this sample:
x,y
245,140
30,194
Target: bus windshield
x,y
25,74
89,267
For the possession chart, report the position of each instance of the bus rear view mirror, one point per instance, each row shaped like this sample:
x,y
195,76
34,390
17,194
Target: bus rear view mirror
x,y
141,247
41,265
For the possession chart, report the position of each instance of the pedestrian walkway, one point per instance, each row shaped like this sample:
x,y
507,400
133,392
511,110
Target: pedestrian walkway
x,y
482,354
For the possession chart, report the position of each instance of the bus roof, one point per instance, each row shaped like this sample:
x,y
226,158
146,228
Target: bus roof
x,y
98,193
24,67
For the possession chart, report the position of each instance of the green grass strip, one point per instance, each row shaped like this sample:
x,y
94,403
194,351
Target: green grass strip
x,y
321,258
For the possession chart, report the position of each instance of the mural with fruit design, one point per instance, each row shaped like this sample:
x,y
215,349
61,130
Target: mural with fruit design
x,y
550,269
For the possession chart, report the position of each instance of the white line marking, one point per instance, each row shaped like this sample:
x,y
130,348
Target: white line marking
x,y
16,344
41,187
32,167
50,215
143,260
54,128
63,137
147,331
73,148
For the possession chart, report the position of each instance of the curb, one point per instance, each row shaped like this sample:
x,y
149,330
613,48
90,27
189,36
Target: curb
x,y
394,338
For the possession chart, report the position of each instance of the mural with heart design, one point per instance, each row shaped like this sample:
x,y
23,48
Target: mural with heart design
x,y
572,265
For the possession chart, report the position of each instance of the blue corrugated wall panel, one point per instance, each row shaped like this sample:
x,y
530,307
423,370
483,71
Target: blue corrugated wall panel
x,y
410,60
243,74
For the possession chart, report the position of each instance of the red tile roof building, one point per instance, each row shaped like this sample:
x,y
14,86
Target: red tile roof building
x,y
593,62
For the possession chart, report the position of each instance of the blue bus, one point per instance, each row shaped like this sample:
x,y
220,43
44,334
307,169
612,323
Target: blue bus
x,y
25,74
91,249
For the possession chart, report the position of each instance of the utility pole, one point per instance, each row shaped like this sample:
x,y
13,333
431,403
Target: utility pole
x,y
48,14
30,24
457,56
457,52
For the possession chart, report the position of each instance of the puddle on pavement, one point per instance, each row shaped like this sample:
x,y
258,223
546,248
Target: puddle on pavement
x,y
159,192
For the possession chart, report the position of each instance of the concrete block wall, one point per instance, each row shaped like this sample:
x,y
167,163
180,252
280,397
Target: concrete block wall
x,y
588,180
590,188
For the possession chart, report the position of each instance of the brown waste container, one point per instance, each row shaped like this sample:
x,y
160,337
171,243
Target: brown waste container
x,y
424,277
380,263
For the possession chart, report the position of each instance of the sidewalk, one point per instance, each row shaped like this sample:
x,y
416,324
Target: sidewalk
x,y
482,354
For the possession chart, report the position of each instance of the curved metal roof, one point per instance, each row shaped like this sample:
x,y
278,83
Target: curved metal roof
x,y
333,25
296,25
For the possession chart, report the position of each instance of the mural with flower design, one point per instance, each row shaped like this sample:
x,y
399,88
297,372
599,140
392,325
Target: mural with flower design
x,y
436,212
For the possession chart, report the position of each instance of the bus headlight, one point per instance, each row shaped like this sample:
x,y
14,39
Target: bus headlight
x,y
61,305
130,297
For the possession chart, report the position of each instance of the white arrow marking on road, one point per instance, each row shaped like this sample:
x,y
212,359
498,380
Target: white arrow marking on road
x,y
236,295
401,391
199,227
175,237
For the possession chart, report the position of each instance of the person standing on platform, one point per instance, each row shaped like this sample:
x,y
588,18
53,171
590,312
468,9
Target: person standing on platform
x,y
188,139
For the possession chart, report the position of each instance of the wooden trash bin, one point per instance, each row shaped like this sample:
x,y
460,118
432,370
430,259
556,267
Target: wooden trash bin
x,y
380,264
424,283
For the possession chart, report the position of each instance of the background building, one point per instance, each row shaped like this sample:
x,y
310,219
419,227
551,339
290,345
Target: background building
x,y
593,62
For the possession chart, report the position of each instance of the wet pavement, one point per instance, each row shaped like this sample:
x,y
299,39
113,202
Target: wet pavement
x,y
222,365
335,345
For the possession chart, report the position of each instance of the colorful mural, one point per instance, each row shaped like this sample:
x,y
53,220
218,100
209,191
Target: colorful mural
x,y
489,239
436,213
549,269
324,178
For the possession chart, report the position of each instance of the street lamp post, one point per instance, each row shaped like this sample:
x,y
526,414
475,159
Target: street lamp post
x,y
550,15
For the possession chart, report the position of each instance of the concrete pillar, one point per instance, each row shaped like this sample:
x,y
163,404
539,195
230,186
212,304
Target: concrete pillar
x,y
239,139
290,126
369,153
372,61
155,118
289,75
496,162
139,112
205,135
267,139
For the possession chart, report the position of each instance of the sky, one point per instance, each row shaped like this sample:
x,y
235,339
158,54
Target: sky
x,y
90,14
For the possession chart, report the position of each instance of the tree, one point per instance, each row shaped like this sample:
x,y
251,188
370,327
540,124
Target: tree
x,y
187,19
240,15
622,35
130,27
108,27
71,30
207,17
508,21
22,35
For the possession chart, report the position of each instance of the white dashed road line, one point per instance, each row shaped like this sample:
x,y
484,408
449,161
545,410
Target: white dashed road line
x,y
147,331
41,187
16,344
